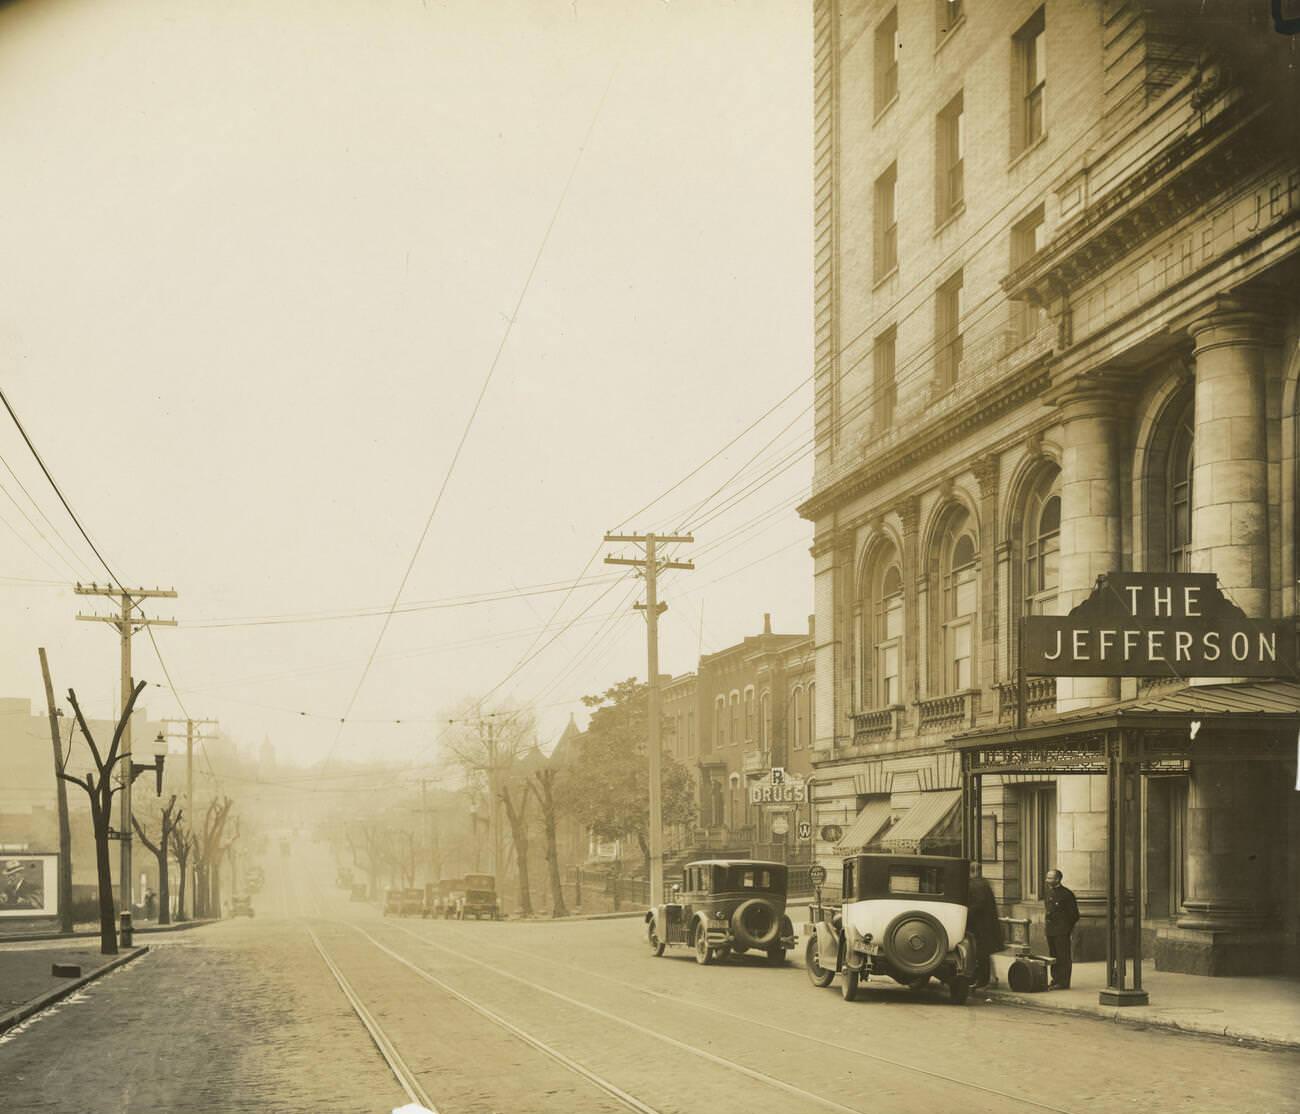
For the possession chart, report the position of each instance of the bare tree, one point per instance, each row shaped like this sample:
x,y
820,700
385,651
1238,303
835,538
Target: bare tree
x,y
517,814
100,789
167,826
367,840
207,857
181,845
542,786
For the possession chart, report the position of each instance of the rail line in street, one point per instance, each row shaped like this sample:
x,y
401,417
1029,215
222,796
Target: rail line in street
x,y
747,1019
387,1046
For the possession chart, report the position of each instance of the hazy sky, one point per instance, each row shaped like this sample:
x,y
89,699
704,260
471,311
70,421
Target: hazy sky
x,y
255,262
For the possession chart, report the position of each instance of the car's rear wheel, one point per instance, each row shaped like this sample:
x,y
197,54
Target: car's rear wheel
x,y
656,945
817,974
703,953
848,984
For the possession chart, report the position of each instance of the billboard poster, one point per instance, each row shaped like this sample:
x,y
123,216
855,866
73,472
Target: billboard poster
x,y
29,885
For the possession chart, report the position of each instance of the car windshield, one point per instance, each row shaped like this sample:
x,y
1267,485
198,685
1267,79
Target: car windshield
x,y
754,878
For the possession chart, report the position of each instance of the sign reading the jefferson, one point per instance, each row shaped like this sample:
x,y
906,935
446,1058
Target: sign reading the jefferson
x,y
1158,625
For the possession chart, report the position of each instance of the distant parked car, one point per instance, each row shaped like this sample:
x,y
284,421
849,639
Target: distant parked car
x,y
478,898
725,907
241,906
904,916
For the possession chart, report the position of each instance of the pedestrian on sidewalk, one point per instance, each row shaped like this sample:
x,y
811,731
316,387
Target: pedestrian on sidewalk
x,y
1062,916
983,924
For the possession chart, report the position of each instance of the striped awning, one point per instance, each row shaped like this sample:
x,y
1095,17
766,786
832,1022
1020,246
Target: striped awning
x,y
929,812
873,817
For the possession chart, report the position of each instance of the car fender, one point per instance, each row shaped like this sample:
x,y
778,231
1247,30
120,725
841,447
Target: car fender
x,y
828,939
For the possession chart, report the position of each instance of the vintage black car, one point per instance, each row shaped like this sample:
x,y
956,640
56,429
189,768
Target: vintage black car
x,y
903,916
725,907
478,898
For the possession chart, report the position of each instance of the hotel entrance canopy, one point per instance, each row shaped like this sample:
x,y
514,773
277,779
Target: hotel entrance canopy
x,y
1159,733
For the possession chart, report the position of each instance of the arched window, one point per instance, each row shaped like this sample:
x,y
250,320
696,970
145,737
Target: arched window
x,y
765,721
812,713
887,635
1042,553
749,715
720,722
734,735
1179,525
796,718
959,573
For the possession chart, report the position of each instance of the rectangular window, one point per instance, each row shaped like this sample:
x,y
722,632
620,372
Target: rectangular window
x,y
1029,82
884,386
888,48
947,14
1027,240
947,330
949,159
1037,838
886,222
959,656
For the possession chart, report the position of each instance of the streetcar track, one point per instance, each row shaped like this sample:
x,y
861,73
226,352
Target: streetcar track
x,y
748,1020
387,1049
721,1061
608,1087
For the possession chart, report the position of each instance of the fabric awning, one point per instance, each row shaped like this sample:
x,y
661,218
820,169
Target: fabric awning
x,y
873,817
922,819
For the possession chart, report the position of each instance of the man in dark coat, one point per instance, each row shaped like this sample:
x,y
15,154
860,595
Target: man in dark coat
x,y
1062,916
982,923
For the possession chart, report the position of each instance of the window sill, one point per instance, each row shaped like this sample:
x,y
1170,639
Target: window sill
x,y
952,218
1020,156
884,109
878,283
946,36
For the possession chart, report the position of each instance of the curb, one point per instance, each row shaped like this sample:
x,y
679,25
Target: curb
x,y
44,1001
93,933
1138,1021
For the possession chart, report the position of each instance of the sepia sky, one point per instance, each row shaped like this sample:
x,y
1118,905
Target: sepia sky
x,y
256,260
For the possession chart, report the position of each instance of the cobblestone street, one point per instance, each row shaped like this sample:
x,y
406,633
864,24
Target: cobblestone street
x,y
576,1016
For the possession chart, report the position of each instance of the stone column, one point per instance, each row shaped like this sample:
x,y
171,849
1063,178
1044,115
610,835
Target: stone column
x,y
987,476
909,511
1090,517
1235,343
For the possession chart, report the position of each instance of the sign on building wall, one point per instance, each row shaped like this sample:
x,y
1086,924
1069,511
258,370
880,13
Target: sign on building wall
x,y
1157,625
29,885
787,789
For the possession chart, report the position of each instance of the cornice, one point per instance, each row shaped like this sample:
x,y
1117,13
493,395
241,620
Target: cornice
x,y
1015,388
1185,175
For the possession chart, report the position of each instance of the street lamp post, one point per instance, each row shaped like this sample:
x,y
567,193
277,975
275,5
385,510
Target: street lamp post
x,y
134,770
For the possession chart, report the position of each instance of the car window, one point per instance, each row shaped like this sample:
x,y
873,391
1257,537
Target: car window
x,y
916,880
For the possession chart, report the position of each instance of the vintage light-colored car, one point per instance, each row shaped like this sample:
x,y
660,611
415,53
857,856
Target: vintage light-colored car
x,y
903,916
725,907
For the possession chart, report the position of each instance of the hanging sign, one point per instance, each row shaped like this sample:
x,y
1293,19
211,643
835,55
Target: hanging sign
x,y
1157,625
790,790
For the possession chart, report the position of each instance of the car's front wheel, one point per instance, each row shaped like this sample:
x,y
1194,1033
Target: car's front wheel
x,y
848,984
656,945
817,974
703,953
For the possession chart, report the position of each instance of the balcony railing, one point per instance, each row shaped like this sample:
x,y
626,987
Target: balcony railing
x,y
877,725
952,712
1040,698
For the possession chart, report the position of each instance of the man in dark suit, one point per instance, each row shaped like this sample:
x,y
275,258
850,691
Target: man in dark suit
x,y
1062,916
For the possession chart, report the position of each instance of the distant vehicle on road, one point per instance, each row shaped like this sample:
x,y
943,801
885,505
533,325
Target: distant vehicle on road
x,y
241,906
447,897
392,903
478,899
904,916
725,907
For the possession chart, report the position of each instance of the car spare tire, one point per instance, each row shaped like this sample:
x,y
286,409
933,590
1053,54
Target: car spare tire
x,y
915,943
755,923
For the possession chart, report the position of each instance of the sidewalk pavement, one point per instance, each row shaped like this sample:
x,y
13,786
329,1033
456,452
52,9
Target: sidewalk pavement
x,y
29,985
1260,1010
82,932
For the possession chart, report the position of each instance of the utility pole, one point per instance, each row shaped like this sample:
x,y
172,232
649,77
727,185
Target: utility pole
x,y
435,852
651,566
126,625
189,775
65,829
